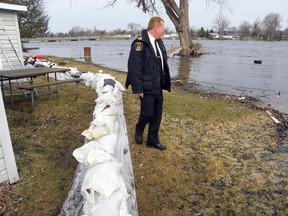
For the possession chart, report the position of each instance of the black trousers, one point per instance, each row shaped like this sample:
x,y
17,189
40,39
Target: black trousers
x,y
150,113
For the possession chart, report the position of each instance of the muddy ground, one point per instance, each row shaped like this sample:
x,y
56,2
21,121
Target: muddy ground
x,y
224,157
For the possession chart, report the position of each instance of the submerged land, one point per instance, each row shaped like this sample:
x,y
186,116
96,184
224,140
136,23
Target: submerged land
x,y
224,157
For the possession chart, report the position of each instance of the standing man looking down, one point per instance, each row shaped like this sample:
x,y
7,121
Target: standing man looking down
x,y
148,74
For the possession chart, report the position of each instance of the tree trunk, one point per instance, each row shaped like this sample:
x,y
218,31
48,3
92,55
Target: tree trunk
x,y
180,18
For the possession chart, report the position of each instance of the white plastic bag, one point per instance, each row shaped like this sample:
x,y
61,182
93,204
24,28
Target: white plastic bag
x,y
109,207
100,181
91,154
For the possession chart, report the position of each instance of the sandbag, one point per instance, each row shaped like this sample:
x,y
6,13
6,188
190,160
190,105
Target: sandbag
x,y
91,154
100,181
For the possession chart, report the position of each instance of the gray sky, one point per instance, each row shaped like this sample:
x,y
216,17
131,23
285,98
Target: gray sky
x,y
88,14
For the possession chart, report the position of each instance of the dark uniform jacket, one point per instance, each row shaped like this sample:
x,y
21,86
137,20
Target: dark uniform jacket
x,y
145,74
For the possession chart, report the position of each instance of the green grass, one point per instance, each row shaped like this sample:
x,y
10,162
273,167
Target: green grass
x,y
183,104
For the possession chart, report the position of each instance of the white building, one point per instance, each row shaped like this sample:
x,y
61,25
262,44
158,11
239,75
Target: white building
x,y
10,42
10,58
214,36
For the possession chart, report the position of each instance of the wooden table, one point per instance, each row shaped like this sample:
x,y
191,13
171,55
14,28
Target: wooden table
x,y
15,74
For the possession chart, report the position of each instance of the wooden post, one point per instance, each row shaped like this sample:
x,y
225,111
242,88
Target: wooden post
x,y
8,169
87,54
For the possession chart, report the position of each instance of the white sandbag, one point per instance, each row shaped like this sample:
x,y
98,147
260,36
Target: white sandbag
x,y
109,207
106,84
101,94
90,154
95,132
111,82
97,156
88,78
119,86
117,202
107,88
109,121
93,79
81,153
100,181
108,143
105,109
107,99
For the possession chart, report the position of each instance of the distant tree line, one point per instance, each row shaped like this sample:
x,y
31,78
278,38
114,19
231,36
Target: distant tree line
x,y
134,29
268,29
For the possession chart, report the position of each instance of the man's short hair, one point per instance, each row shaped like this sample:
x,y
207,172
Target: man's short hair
x,y
154,21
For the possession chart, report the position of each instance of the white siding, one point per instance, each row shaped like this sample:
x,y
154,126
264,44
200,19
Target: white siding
x,y
10,43
8,168
10,58
3,171
3,176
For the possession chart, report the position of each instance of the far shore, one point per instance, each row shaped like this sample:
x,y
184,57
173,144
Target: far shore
x,y
120,37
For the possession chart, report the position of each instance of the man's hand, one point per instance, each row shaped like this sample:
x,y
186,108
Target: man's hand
x,y
141,95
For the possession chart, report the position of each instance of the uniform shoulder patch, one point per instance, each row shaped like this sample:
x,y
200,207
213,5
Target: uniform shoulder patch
x,y
138,46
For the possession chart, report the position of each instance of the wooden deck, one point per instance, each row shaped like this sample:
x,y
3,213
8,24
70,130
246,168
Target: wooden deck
x,y
173,51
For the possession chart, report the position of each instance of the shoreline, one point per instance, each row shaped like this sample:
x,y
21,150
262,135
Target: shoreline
x,y
248,101
253,101
192,87
260,84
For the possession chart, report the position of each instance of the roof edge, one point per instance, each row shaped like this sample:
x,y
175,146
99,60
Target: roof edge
x,y
13,7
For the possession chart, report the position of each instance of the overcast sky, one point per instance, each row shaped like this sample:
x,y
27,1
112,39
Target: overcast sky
x,y
65,14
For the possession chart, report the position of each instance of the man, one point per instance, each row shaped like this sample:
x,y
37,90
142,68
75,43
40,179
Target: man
x,y
148,74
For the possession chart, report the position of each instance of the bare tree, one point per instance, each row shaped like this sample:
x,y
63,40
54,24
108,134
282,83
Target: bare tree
x,y
285,33
271,24
257,28
178,13
134,28
76,31
245,29
233,30
221,23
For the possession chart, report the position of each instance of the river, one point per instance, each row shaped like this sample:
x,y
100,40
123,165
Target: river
x,y
225,67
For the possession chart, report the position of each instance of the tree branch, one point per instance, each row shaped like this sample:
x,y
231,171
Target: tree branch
x,y
223,4
175,7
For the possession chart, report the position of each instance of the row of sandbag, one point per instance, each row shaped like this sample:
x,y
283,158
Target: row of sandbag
x,y
107,182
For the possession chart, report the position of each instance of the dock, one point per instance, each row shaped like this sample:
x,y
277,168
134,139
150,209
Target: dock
x,y
173,51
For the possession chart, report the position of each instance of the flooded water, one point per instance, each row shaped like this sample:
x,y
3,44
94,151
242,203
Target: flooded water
x,y
225,67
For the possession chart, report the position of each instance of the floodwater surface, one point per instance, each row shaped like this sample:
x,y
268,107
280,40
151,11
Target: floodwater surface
x,y
225,67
